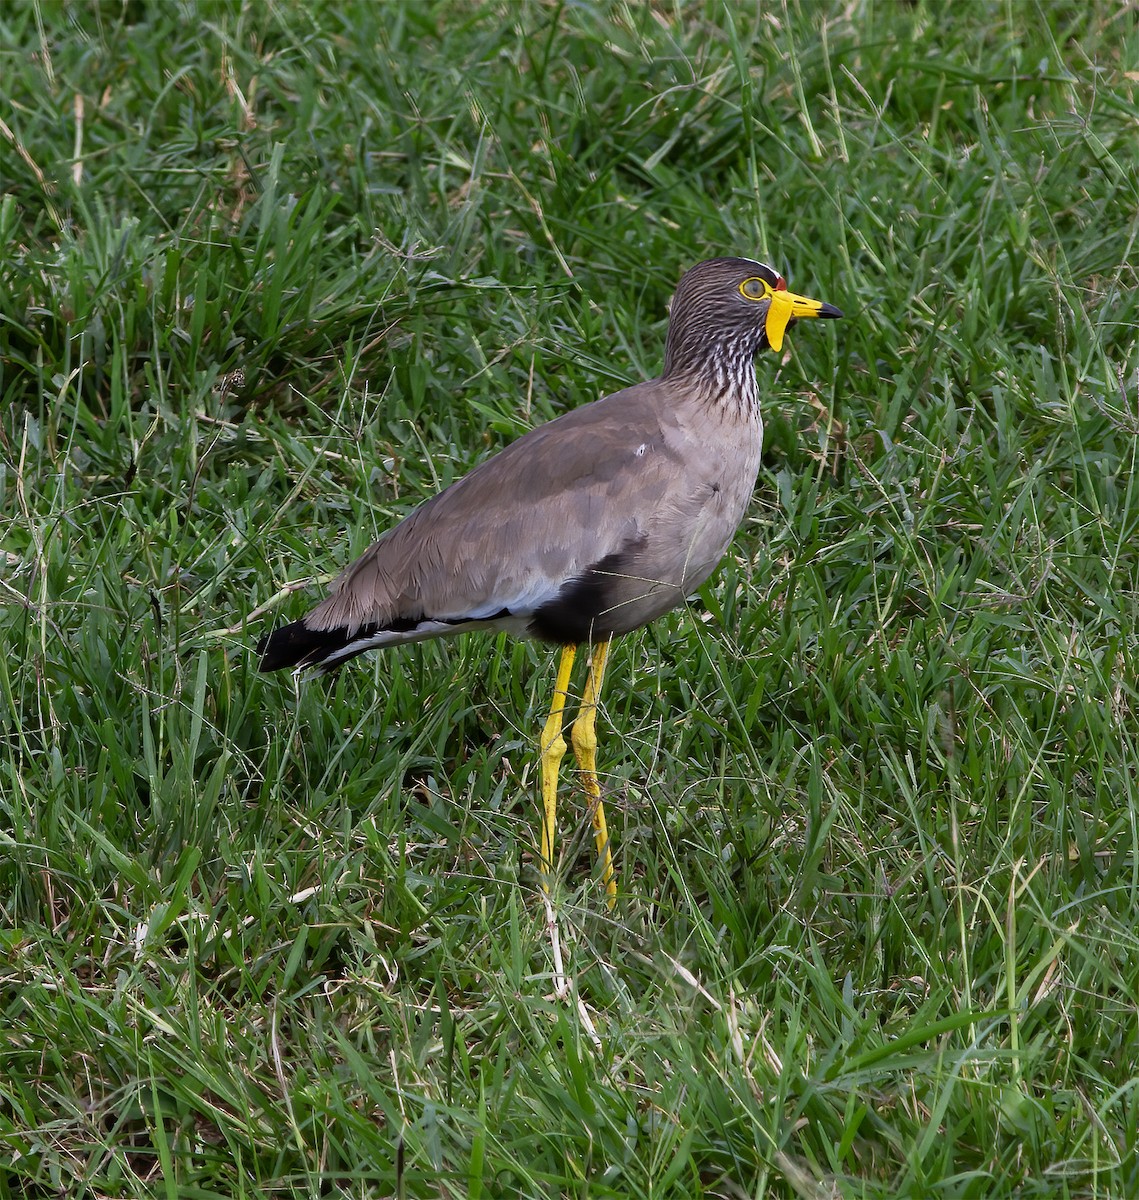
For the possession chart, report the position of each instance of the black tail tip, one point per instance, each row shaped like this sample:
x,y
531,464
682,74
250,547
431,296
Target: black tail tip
x,y
296,645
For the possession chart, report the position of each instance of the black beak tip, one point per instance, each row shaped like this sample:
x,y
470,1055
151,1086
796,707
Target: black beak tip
x,y
829,310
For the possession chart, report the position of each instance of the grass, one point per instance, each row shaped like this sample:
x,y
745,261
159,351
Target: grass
x,y
270,274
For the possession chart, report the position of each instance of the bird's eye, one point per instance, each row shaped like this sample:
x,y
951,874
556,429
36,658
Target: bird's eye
x,y
755,289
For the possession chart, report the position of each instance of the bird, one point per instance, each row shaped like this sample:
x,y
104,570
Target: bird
x,y
583,529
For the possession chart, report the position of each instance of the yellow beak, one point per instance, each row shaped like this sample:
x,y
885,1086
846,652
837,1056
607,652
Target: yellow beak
x,y
786,307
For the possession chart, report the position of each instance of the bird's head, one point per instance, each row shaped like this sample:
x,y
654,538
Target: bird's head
x,y
725,311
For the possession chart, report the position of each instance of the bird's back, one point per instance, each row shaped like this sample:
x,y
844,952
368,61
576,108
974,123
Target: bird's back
x,y
588,526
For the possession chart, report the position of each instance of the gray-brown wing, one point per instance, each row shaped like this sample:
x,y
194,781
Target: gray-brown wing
x,y
608,486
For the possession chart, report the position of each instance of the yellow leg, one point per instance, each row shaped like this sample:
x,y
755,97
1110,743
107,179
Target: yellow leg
x,y
553,749
584,738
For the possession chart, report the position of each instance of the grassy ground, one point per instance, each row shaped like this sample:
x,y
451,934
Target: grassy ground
x,y
272,273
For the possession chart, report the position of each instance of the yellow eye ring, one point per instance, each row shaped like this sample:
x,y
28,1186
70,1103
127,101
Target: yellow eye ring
x,y
755,289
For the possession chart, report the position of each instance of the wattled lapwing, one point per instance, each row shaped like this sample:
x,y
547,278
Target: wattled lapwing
x,y
585,528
